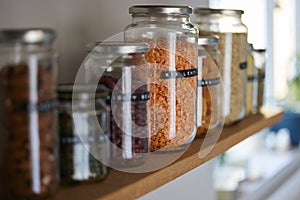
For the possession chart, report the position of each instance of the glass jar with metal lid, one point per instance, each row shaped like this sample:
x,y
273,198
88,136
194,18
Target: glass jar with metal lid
x,y
122,68
28,148
173,74
209,85
232,33
77,105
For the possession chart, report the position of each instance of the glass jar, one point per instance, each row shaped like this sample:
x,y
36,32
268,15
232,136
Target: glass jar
x,y
209,87
173,74
122,68
256,77
28,103
77,164
232,33
259,56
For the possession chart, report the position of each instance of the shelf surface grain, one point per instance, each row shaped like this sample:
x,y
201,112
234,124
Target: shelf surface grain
x,y
121,185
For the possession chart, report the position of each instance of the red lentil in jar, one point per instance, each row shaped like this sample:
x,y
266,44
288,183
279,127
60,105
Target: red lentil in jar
x,y
173,73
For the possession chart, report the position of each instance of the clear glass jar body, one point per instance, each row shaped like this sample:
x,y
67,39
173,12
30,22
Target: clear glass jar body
x,y
28,109
127,79
256,77
259,56
77,163
126,75
173,76
209,88
232,33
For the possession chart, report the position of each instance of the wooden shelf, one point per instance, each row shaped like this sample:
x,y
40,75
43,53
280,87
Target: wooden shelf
x,y
121,185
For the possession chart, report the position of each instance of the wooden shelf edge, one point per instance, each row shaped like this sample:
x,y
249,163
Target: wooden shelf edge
x,y
131,186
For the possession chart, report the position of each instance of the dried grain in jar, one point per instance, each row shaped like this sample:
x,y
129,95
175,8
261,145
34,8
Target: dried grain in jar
x,y
173,73
232,33
209,87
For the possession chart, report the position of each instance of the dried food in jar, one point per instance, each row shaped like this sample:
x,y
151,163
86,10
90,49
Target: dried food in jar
x,y
28,103
209,96
128,128
232,47
77,164
172,93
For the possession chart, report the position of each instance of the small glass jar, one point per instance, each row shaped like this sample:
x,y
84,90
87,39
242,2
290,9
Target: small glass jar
x,y
209,87
122,68
256,77
28,103
259,56
77,162
232,33
173,74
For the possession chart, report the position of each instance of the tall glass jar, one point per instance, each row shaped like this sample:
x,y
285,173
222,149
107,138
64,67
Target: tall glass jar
x,y
28,64
122,68
77,163
173,75
209,85
232,33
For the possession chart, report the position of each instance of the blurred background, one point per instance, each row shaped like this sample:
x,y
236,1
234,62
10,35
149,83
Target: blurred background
x,y
265,166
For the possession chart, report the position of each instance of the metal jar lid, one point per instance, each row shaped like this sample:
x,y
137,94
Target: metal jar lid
x,y
165,9
208,40
218,11
118,47
67,92
27,36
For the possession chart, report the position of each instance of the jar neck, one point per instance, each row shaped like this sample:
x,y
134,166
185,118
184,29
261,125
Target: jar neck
x,y
25,48
218,19
162,18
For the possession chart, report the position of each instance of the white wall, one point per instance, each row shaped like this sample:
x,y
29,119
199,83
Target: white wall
x,y
77,22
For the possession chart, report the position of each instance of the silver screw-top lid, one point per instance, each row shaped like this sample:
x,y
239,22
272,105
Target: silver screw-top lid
x,y
208,40
27,36
218,11
166,9
118,47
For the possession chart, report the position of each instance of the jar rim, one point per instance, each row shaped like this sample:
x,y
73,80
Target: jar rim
x,y
166,9
118,47
218,11
27,36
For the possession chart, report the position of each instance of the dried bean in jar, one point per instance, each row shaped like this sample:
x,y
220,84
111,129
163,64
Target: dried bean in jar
x,y
137,117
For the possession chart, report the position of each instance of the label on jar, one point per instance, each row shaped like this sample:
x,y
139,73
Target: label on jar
x,y
76,139
208,82
243,65
41,106
186,73
259,77
143,96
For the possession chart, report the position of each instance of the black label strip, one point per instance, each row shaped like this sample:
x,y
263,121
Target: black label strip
x,y
243,65
41,106
179,73
75,139
257,78
208,82
144,96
